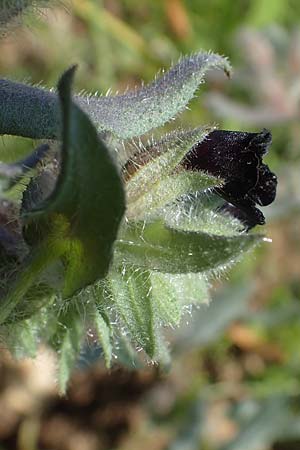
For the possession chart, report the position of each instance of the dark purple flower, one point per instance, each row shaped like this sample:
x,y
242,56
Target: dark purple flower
x,y
236,157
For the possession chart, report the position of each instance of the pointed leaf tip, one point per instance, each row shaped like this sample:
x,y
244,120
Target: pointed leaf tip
x,y
65,82
158,247
135,113
84,211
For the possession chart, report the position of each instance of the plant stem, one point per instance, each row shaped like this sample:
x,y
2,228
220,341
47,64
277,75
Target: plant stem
x,y
28,111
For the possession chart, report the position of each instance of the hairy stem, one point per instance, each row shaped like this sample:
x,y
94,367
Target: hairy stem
x,y
28,111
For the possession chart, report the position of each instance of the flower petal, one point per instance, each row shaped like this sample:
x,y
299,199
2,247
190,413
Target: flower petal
x,y
236,157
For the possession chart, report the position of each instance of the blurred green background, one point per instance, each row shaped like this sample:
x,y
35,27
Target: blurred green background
x,y
234,383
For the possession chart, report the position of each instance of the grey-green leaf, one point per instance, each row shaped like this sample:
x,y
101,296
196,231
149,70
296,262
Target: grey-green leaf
x,y
128,115
135,113
159,160
131,296
169,189
172,292
158,247
70,332
22,339
103,331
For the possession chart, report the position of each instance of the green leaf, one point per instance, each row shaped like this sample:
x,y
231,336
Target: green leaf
x,y
103,330
135,113
29,273
167,305
172,292
82,215
21,339
36,297
34,112
67,341
126,353
169,189
201,212
156,246
162,356
159,159
131,296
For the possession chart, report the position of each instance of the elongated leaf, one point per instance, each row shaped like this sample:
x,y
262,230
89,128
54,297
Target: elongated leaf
x,y
158,161
167,304
30,271
131,295
36,297
100,318
84,211
135,113
67,342
104,335
169,189
126,353
172,292
202,212
21,339
34,112
168,250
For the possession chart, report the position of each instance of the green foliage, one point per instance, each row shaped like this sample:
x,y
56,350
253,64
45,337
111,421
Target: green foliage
x,y
84,245
128,115
171,293
57,228
218,390
131,296
155,104
84,264
165,249
67,340
104,333
154,184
